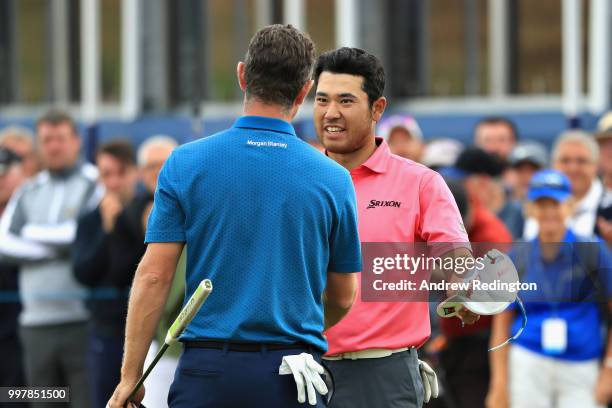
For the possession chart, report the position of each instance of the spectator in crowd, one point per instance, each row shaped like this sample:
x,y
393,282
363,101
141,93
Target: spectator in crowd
x,y
481,171
11,368
21,141
604,212
475,169
38,229
151,157
404,136
496,135
556,360
441,153
576,154
152,154
462,350
525,160
104,259
11,175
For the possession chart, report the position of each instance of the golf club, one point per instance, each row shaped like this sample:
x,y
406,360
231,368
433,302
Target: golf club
x,y
178,326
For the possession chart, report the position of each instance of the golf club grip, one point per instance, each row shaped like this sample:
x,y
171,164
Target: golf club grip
x,y
190,309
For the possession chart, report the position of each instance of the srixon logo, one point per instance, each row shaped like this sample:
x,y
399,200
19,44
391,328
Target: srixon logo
x,y
378,203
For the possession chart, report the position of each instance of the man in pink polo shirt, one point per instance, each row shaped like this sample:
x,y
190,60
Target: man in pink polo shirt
x,y
372,351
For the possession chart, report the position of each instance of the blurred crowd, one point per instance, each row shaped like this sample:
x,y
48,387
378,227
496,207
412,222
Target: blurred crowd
x,y
72,232
71,236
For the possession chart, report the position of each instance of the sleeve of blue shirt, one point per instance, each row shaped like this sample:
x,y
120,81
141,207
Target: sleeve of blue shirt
x,y
167,220
345,247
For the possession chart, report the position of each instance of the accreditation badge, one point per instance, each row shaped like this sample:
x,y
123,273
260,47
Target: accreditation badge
x,y
554,336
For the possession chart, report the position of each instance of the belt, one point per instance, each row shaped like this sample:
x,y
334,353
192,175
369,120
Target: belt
x,y
243,346
369,353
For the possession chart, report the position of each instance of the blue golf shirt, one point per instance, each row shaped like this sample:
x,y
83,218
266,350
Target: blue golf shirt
x,y
566,291
264,216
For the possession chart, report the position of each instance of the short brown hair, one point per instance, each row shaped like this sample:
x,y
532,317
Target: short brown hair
x,y
277,64
120,149
57,117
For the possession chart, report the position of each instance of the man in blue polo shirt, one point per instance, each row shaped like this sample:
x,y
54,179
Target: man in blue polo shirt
x,y
557,359
272,223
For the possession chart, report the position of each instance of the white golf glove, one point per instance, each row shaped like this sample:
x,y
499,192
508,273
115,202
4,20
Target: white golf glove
x,y
430,381
307,375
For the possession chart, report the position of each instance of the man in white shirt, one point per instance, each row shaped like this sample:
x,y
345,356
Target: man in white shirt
x,y
576,154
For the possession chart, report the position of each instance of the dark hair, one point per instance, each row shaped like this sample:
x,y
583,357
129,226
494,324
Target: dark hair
x,y
57,117
475,160
499,120
277,64
354,61
120,149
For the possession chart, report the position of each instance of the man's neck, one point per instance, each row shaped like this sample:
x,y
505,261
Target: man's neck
x,y
356,158
552,236
64,171
550,243
496,198
253,108
580,195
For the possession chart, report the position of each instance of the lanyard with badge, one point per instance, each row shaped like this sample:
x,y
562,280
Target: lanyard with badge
x,y
554,328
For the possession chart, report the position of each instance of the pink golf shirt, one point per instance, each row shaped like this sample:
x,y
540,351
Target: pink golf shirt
x,y
427,213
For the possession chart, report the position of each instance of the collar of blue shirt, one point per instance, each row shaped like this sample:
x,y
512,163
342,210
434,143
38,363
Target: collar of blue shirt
x,y
566,247
265,123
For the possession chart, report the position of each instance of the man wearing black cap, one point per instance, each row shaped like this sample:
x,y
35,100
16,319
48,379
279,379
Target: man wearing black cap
x,y
11,370
465,348
480,171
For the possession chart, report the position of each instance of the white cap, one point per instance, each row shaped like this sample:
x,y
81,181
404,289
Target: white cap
x,y
407,122
441,152
604,126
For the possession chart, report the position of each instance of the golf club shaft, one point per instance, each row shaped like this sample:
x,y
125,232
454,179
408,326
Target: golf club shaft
x,y
144,376
180,323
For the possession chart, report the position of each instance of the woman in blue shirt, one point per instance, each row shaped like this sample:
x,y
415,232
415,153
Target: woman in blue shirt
x,y
556,362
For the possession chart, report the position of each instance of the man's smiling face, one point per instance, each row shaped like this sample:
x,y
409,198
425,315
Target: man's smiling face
x,y
342,113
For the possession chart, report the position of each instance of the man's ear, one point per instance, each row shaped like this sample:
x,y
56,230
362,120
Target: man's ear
x,y
304,92
378,108
240,75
